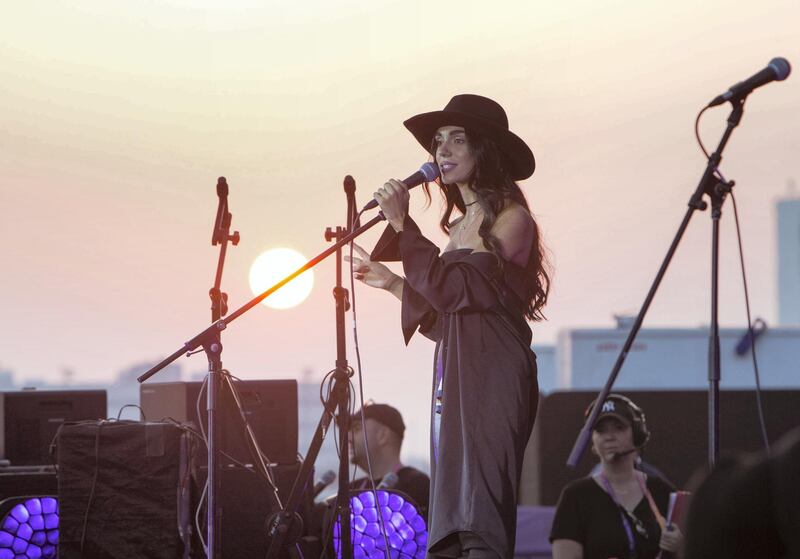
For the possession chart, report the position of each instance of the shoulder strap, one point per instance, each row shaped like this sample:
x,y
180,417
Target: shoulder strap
x,y
653,508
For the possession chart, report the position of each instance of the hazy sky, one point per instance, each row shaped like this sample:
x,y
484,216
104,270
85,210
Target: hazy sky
x,y
119,116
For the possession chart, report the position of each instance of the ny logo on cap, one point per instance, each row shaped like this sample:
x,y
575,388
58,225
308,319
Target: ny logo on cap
x,y
608,406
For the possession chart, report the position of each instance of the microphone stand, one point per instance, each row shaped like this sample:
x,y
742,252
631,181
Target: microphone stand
x,y
279,524
212,346
209,339
219,380
716,190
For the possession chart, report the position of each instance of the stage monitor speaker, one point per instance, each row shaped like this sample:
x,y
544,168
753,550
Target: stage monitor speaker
x,y
27,480
29,419
678,424
269,405
245,504
124,490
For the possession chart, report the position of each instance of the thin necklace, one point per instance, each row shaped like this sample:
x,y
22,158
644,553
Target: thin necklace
x,y
465,221
473,202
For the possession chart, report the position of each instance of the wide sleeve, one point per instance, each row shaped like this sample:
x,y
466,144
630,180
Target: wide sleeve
x,y
568,521
462,285
415,311
387,249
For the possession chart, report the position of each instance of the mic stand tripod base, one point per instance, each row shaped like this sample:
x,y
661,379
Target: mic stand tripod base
x,y
281,527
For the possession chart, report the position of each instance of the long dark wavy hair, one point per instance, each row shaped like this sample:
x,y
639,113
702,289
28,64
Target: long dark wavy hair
x,y
494,189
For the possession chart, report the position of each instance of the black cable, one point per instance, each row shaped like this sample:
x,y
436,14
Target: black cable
x,y
351,407
759,402
328,527
94,484
119,414
750,332
201,425
697,132
700,142
370,478
54,447
325,393
324,399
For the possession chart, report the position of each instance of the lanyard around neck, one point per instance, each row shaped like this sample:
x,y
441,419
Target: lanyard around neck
x,y
626,523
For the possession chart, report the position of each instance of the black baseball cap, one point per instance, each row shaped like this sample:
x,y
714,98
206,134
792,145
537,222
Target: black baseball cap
x,y
626,411
614,406
383,414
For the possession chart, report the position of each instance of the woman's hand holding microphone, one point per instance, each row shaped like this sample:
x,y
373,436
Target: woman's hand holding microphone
x,y
392,197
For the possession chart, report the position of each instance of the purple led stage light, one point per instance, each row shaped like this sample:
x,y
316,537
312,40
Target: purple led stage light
x,y
29,530
405,528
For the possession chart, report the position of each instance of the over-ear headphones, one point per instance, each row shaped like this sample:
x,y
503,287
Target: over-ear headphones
x,y
624,408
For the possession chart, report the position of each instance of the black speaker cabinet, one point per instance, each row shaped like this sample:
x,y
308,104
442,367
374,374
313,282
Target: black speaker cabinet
x,y
29,420
28,481
678,425
245,503
124,490
269,405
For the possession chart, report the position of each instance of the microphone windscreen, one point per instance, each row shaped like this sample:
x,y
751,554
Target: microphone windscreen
x,y
782,68
430,171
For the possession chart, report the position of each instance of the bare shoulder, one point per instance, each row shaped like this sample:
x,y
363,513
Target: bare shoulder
x,y
515,218
515,229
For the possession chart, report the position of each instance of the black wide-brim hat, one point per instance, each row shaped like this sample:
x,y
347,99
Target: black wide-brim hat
x,y
483,115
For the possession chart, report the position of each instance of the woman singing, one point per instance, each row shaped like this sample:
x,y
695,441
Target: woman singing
x,y
473,300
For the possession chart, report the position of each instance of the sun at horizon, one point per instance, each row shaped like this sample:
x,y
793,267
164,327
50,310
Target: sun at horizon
x,y
272,266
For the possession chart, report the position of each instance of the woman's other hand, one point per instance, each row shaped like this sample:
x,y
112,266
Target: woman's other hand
x,y
372,273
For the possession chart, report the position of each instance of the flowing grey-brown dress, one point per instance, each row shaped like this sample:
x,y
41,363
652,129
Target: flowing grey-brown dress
x,y
484,383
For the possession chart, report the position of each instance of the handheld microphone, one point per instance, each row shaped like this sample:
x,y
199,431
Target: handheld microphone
x,y
427,173
388,481
778,69
324,481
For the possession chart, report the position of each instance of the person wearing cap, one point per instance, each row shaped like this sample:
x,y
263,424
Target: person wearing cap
x,y
474,299
382,431
617,512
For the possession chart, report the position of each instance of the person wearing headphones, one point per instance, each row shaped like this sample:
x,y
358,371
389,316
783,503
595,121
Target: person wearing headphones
x,y
617,512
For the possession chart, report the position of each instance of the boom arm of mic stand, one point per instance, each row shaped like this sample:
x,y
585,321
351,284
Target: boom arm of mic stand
x,y
586,432
705,186
221,324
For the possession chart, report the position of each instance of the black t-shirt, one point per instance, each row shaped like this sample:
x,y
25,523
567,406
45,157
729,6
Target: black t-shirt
x,y
588,515
412,482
